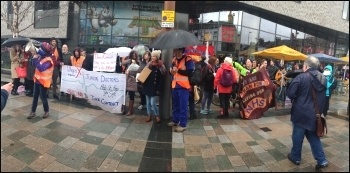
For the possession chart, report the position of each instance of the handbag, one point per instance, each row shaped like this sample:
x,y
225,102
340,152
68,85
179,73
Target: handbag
x,y
21,72
321,125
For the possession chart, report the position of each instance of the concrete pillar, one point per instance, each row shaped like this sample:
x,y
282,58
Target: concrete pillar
x,y
167,55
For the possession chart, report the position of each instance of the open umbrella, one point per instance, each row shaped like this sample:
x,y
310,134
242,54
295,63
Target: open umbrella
x,y
326,58
121,51
175,39
140,49
282,52
13,41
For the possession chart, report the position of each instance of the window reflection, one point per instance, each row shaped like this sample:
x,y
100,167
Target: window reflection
x,y
268,26
266,40
249,36
237,17
250,21
206,17
283,30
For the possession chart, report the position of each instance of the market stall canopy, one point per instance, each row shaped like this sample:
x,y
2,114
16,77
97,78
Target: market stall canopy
x,y
345,59
326,58
282,52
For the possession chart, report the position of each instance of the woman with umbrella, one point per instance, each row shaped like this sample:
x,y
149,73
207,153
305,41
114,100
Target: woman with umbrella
x,y
16,57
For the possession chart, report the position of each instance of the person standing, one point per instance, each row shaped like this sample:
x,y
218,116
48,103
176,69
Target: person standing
x,y
42,78
281,82
131,85
153,85
56,58
272,70
76,59
5,91
222,74
146,58
16,56
303,115
65,59
182,68
30,74
331,85
208,85
88,63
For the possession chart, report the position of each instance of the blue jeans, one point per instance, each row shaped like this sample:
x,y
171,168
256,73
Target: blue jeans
x,y
207,97
281,94
314,140
40,90
180,105
151,104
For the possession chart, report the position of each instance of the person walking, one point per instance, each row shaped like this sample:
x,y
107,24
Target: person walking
x,y
224,79
303,115
182,68
16,57
146,58
56,58
153,85
331,85
208,85
42,78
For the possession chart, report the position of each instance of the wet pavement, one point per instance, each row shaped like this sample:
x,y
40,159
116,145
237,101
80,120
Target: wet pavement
x,y
79,137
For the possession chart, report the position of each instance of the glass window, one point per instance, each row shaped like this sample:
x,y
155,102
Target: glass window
x,y
94,27
250,21
145,41
46,5
82,27
83,12
98,39
280,40
206,17
126,27
267,26
237,16
266,40
283,31
125,41
149,28
249,36
46,18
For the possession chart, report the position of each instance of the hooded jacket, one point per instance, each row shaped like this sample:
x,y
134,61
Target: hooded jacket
x,y
300,92
331,83
218,76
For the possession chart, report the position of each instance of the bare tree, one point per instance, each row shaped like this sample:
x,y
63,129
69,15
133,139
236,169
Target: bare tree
x,y
13,13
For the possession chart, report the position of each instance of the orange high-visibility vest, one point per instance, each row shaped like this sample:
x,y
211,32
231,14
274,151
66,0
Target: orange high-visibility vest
x,y
77,63
178,78
44,77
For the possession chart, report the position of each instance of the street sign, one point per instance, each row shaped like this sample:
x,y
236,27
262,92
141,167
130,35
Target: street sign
x,y
168,19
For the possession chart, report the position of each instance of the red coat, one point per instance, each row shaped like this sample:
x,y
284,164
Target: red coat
x,y
218,75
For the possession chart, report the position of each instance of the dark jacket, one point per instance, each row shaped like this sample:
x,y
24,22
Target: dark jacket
x,y
208,78
300,92
30,68
66,57
154,82
4,97
88,63
272,71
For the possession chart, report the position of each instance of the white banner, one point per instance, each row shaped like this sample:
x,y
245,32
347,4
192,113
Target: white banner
x,y
106,90
105,62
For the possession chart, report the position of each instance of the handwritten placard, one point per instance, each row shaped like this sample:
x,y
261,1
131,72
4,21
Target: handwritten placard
x,y
104,62
106,90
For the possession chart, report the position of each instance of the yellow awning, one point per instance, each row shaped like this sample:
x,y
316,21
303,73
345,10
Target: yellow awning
x,y
282,52
346,58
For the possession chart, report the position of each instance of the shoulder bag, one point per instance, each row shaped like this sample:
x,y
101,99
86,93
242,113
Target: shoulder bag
x,y
321,125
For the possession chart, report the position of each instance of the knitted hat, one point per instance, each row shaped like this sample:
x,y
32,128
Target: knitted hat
x,y
45,47
228,60
156,53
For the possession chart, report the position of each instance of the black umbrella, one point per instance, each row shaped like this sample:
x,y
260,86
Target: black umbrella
x,y
175,39
13,41
294,73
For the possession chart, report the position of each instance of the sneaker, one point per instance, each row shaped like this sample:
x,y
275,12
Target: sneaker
x,y
204,112
45,115
171,124
323,165
295,162
180,129
31,115
141,107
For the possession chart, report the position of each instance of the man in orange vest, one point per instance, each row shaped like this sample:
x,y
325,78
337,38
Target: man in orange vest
x,y
57,59
182,68
42,78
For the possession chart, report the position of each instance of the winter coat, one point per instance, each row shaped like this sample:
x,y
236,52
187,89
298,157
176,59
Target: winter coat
x,y
208,77
272,70
300,92
15,61
131,84
218,76
331,82
155,81
30,68
88,63
66,57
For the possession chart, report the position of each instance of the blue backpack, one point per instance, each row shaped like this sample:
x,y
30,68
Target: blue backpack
x,y
226,79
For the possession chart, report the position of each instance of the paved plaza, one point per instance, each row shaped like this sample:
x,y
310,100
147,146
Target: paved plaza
x,y
79,137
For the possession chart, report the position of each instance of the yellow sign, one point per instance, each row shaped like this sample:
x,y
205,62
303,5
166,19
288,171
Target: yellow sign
x,y
168,16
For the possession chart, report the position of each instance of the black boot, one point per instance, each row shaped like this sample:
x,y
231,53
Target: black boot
x,y
193,116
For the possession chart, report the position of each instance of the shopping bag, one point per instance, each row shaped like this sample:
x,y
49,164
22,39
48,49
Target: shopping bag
x,y
144,74
21,72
